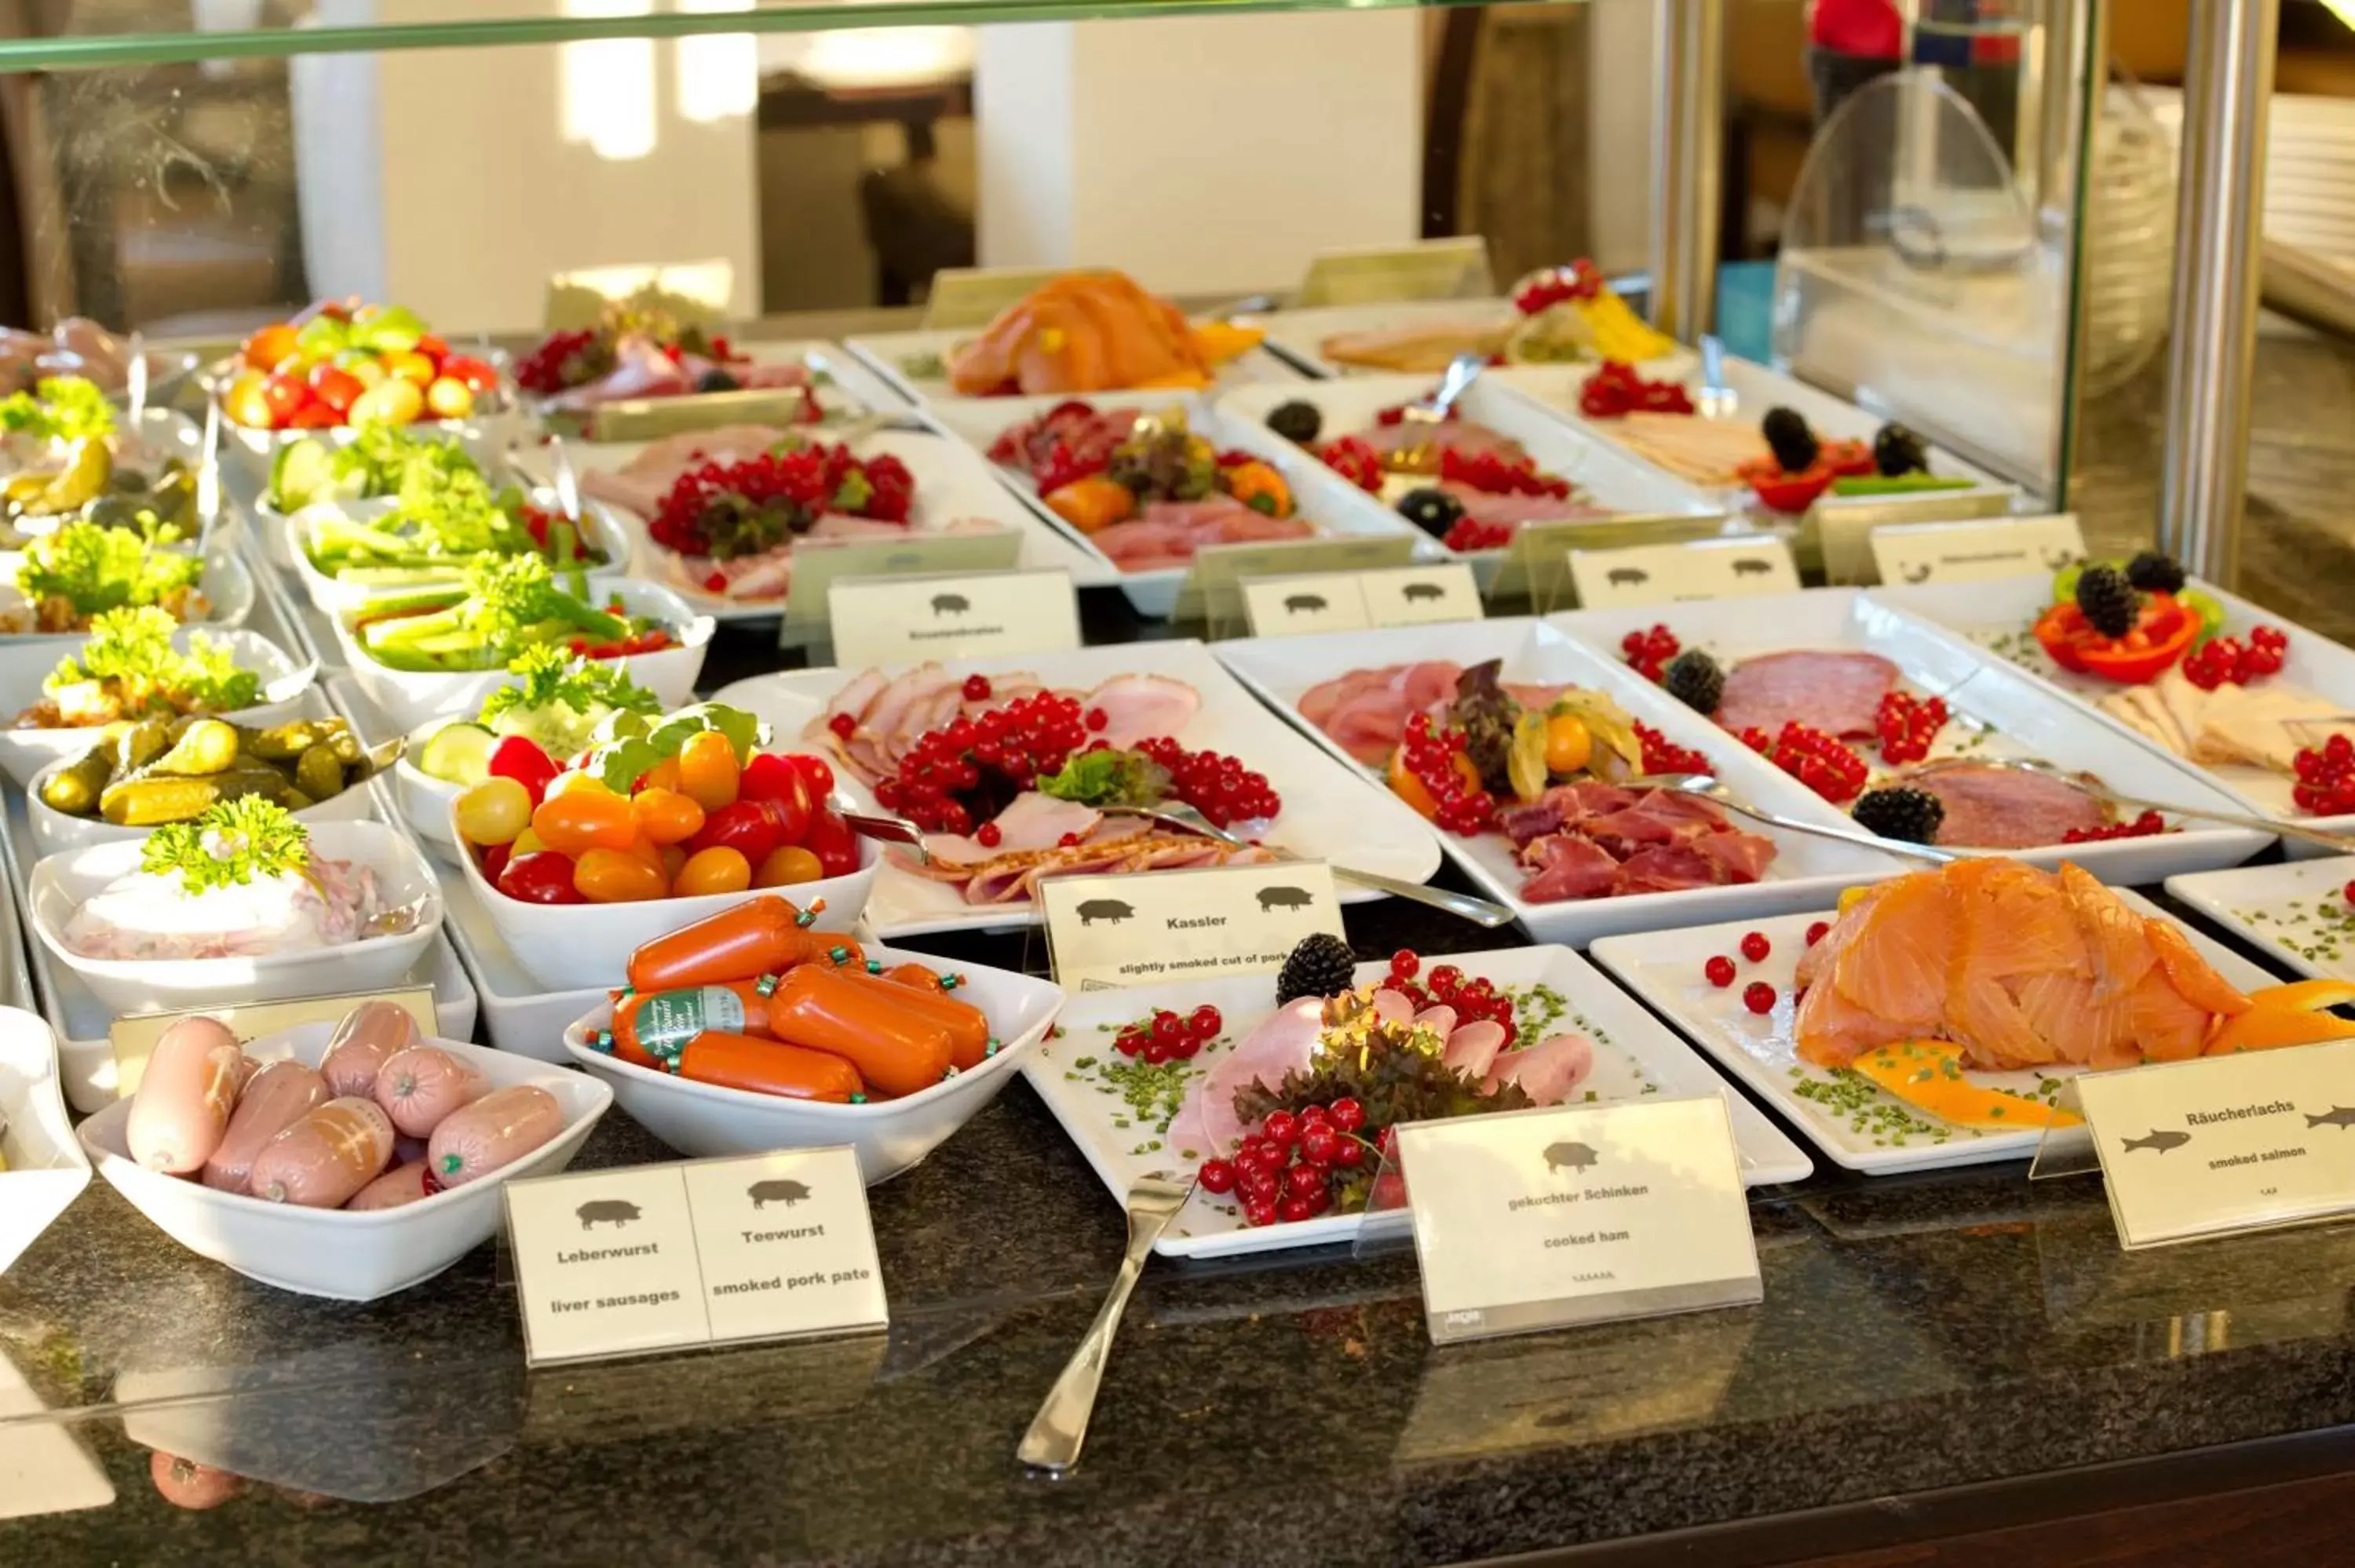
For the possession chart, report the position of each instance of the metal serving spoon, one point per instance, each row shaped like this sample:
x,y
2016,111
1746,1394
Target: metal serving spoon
x,y
2343,843
1706,786
1479,911
892,830
1717,400
1060,1426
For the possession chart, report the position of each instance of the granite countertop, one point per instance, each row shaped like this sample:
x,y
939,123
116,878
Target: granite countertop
x,y
1917,1334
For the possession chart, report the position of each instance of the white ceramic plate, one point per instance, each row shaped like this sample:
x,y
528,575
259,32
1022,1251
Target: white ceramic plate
x,y
1327,815
915,363
1998,713
890,1136
846,387
46,1167
1634,1056
1664,967
1299,335
1324,499
1996,616
2296,912
952,484
1806,871
23,668
342,1255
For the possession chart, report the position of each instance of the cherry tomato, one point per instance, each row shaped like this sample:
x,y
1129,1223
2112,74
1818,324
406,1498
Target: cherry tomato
x,y
495,858
775,782
520,758
572,779
716,870
616,876
448,400
270,347
543,877
283,394
477,376
707,770
492,812
831,839
673,859
666,816
436,349
751,828
315,416
183,1483
646,850
786,866
408,364
578,820
816,775
663,775
335,388
243,403
526,843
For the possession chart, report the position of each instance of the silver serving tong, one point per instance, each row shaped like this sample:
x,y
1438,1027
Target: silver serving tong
x,y
891,830
1707,787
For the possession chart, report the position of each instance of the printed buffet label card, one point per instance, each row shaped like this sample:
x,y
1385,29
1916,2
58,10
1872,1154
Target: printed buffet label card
x,y
1356,601
884,621
2225,1143
1845,525
815,568
1105,932
972,296
1573,1215
1452,269
133,1037
1975,552
1212,590
1663,574
660,1257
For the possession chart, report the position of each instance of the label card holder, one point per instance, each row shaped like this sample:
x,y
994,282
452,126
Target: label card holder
x,y
1733,568
1537,563
2219,1145
918,555
1570,1214
880,621
1843,526
1452,269
1212,588
641,1258
1107,932
964,297
1354,601
134,1036
1976,552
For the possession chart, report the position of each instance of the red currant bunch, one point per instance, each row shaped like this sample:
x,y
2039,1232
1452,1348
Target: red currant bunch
x,y
1291,1168
1221,787
1491,473
1460,808
2325,779
1582,280
966,770
1662,755
1471,533
1649,651
2141,826
2222,659
1355,460
1815,760
1907,726
1167,1036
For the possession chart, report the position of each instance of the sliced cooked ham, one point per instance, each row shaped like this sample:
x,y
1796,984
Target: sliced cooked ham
x,y
1547,1071
1030,822
641,483
1365,712
1838,693
1510,512
1139,707
1169,532
2002,808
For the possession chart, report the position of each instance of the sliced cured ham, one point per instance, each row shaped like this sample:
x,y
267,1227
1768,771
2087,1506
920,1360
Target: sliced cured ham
x,y
1168,532
2003,808
1838,693
1597,841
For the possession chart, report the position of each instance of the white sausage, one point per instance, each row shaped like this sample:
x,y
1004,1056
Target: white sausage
x,y
325,1157
497,1130
183,1103
368,1037
424,1084
401,1184
274,1099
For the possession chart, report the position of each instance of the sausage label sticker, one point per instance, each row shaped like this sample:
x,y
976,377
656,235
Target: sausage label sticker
x,y
1542,1219
901,620
700,1252
1106,932
1736,568
1358,601
2252,1140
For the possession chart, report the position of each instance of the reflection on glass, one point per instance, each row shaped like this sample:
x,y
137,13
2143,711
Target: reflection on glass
x,y
608,86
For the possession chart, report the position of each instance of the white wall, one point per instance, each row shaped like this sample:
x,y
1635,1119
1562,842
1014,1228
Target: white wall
x,y
1620,75
1199,153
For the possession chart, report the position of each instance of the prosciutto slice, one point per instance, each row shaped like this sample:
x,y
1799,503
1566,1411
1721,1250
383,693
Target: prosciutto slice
x,y
1596,840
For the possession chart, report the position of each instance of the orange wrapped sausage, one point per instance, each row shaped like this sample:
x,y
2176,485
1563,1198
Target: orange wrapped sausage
x,y
651,1028
770,1067
967,1026
896,1049
762,935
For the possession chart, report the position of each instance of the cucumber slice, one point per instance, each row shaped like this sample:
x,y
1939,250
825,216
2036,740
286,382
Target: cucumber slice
x,y
458,753
302,472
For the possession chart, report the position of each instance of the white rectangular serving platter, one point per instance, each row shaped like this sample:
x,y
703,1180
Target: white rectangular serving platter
x,y
1807,872
1996,616
1998,713
2297,911
1633,1056
898,357
1328,813
952,483
86,1059
1327,500
1665,968
1299,335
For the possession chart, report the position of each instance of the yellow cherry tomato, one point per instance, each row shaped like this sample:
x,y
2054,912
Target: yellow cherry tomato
x,y
715,870
785,866
581,820
674,860
666,816
526,843
571,779
494,811
663,775
1569,745
616,876
708,769
646,850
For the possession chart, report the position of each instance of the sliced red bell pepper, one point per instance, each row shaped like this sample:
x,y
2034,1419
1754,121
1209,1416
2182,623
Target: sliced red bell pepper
x,y
2163,633
1779,490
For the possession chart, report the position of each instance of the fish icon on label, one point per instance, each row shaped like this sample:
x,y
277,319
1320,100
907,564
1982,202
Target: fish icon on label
x,y
1577,1155
2161,1142
764,1193
2336,1116
620,1211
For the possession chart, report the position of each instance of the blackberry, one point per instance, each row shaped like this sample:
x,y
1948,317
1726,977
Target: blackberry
x,y
1433,511
1896,449
1793,445
2108,601
2155,571
1913,815
1693,678
1320,966
716,380
1296,421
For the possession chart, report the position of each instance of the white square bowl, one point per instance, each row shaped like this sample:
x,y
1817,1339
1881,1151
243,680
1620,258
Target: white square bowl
x,y
46,1169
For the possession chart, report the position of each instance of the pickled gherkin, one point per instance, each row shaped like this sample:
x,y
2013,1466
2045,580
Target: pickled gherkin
x,y
156,800
319,772
285,742
144,775
75,789
139,745
206,746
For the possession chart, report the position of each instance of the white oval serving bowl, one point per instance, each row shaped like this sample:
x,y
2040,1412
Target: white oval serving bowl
x,y
23,668
571,947
226,583
46,1169
329,1252
255,453
600,525
892,1135
409,698
62,884
55,832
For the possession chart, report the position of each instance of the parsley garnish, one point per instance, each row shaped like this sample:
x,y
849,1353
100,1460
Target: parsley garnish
x,y
234,842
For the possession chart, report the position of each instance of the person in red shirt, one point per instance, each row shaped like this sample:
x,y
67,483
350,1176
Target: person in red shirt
x,y
1852,42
